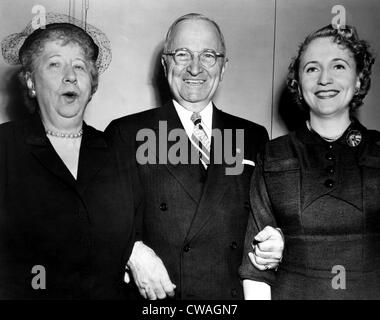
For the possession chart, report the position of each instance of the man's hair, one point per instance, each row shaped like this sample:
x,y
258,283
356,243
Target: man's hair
x,y
193,16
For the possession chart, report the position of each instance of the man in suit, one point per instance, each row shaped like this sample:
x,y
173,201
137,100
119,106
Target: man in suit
x,y
196,211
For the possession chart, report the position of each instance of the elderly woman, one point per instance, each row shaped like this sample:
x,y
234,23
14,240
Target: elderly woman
x,y
66,207
321,184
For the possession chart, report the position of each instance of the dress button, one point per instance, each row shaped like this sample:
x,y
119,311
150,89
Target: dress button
x,y
233,245
330,146
186,248
329,183
330,170
234,292
330,156
163,206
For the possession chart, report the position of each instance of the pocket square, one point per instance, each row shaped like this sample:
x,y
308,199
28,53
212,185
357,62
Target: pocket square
x,y
249,162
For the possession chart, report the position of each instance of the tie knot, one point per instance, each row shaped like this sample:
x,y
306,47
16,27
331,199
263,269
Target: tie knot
x,y
196,118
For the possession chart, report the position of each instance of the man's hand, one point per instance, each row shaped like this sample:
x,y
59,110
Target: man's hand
x,y
268,251
149,273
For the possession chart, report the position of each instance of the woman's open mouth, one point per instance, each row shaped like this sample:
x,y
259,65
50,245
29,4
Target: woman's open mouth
x,y
70,96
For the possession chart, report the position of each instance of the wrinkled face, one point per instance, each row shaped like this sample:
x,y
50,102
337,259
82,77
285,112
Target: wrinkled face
x,y
194,86
62,80
328,78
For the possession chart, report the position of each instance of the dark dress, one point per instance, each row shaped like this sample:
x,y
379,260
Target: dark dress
x,y
326,199
81,231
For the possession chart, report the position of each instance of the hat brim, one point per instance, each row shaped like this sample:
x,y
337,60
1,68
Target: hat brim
x,y
10,46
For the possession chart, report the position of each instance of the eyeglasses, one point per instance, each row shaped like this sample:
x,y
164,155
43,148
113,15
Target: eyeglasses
x,y
183,57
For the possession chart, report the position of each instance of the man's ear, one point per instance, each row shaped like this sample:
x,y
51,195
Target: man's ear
x,y
223,68
164,64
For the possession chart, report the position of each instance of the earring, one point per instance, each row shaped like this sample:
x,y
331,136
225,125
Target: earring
x,y
32,93
299,92
293,84
356,91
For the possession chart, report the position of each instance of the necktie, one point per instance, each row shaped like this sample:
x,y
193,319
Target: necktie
x,y
200,139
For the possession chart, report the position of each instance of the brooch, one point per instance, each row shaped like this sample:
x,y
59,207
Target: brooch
x,y
354,137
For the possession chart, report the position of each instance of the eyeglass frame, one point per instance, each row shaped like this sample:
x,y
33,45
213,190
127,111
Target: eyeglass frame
x,y
217,55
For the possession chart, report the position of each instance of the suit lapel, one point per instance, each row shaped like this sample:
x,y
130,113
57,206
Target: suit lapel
x,y
94,154
42,149
215,187
180,172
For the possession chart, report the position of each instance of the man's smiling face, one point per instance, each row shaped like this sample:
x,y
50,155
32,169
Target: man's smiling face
x,y
194,86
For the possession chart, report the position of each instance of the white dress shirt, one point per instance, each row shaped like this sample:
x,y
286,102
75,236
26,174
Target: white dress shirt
x,y
185,117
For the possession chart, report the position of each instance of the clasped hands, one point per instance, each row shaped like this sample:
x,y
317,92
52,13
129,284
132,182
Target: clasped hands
x,y
153,281
267,249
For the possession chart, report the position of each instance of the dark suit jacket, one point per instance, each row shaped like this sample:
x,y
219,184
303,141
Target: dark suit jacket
x,y
81,230
196,228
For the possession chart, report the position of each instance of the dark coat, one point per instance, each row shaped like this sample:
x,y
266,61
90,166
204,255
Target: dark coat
x,y
81,231
195,222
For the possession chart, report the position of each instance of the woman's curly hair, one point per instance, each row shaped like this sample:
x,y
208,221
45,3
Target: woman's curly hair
x,y
348,38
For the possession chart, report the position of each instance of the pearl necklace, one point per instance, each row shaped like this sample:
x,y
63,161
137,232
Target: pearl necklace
x,y
332,139
65,135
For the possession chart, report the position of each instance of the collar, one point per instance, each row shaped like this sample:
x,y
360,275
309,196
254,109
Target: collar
x,y
185,117
354,131
34,132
